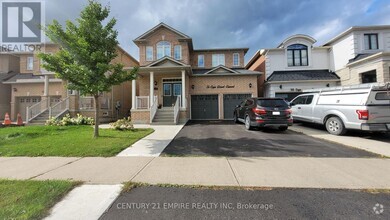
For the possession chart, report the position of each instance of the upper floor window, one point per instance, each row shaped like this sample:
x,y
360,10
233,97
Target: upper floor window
x,y
371,42
201,60
163,49
218,59
149,53
236,59
30,63
177,52
297,55
369,77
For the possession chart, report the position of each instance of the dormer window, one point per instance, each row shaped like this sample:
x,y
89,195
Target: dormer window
x,y
371,42
163,49
297,55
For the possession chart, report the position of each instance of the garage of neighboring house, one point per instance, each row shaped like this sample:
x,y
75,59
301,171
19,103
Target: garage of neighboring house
x,y
24,102
230,101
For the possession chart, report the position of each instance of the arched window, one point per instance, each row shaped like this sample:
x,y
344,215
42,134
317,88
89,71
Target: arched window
x,y
297,55
163,49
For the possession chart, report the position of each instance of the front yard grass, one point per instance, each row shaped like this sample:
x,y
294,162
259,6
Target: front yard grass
x,y
68,141
28,199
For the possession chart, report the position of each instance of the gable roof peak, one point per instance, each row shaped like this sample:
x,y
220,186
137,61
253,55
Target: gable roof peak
x,y
158,26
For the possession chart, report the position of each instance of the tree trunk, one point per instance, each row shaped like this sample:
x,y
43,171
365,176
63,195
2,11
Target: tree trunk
x,y
97,121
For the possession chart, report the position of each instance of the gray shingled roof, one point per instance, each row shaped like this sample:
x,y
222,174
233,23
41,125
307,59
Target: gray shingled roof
x,y
6,76
24,76
239,70
298,75
359,57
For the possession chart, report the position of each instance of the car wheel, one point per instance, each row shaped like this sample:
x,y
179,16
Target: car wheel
x,y
248,123
235,118
335,126
283,128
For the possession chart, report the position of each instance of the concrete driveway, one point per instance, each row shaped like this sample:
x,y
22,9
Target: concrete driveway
x,y
224,138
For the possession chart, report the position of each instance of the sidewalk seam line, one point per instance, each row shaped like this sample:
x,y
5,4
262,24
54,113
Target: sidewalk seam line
x,y
135,175
55,168
234,174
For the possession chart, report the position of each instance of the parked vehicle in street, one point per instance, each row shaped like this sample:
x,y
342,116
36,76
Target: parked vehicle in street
x,y
362,107
264,112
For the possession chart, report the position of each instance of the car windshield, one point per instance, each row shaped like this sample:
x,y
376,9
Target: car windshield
x,y
272,103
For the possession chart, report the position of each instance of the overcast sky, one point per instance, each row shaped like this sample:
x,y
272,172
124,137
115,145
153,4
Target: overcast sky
x,y
233,23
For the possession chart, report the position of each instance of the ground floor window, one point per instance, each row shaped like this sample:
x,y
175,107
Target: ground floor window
x,y
369,77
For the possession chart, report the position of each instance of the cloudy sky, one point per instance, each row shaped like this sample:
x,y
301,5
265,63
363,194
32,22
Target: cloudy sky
x,y
233,23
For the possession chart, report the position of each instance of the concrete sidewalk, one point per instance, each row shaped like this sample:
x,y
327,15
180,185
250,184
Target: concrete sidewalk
x,y
343,173
153,144
374,146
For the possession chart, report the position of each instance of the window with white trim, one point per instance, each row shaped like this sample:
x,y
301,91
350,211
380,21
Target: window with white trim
x,y
30,63
297,55
149,53
236,59
163,49
200,60
371,42
218,59
177,52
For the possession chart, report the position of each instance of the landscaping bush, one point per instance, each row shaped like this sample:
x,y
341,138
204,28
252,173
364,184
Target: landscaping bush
x,y
67,121
123,124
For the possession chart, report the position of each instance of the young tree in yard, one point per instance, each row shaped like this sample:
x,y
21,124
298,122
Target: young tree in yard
x,y
87,51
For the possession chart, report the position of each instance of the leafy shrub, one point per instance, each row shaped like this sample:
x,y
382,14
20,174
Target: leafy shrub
x,y
123,124
67,121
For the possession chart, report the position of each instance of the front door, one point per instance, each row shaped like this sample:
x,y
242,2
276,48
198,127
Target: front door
x,y
171,93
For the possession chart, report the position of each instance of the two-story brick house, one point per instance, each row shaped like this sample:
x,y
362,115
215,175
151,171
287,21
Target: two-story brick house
x,y
37,94
295,65
361,54
9,67
177,82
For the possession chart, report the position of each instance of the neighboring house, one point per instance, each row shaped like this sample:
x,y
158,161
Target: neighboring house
x,y
177,82
43,95
361,54
9,67
296,64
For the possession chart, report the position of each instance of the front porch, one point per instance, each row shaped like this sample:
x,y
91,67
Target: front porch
x,y
160,93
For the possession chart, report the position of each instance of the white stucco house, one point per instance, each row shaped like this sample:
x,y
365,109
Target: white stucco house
x,y
296,64
361,54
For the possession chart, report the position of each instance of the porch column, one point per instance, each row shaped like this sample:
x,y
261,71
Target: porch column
x,y
46,88
151,88
183,88
46,91
133,93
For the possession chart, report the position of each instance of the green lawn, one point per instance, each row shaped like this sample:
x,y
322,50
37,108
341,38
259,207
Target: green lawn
x,y
67,141
27,199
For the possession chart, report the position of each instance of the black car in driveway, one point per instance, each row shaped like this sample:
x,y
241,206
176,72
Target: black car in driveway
x,y
264,112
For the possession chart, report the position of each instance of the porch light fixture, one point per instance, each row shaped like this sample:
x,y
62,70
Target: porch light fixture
x,y
327,85
250,85
193,87
155,83
280,86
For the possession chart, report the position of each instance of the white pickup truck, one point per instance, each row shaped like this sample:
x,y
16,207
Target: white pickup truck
x,y
362,107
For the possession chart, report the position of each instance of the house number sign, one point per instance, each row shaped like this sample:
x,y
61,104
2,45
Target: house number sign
x,y
220,86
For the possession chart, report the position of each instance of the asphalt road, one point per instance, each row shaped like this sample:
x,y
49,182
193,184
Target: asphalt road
x,y
224,138
185,203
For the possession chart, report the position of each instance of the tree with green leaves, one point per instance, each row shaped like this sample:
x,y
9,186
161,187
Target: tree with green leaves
x,y
87,50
